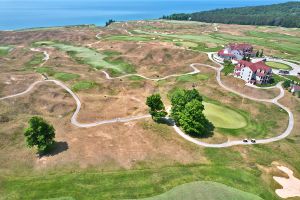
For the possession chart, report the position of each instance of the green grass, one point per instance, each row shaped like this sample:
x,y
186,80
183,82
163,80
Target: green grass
x,y
45,70
288,46
135,78
128,38
228,68
204,190
35,61
223,117
192,78
203,47
65,76
129,184
83,85
293,78
259,127
273,81
110,53
4,50
277,65
192,38
93,58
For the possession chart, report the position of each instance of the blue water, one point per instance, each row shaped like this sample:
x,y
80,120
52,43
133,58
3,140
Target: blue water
x,y
19,14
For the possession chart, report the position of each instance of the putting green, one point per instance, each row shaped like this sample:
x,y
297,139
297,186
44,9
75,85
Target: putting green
x,y
204,190
223,117
277,65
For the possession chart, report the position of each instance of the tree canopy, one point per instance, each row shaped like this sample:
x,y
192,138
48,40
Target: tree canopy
x,y
110,21
187,112
283,14
40,134
193,121
156,107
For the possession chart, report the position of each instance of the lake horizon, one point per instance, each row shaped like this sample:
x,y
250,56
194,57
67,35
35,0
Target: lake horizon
x,y
28,14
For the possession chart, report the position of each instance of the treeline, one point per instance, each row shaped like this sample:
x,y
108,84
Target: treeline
x,y
284,14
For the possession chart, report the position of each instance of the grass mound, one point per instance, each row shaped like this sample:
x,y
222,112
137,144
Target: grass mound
x,y
191,78
277,65
4,50
83,85
223,117
203,190
65,76
92,58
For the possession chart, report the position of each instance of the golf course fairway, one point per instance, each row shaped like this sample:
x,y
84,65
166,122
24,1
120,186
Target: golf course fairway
x,y
204,190
223,117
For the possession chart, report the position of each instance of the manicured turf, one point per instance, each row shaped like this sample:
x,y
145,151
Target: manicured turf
x,y
83,85
131,184
223,117
204,190
91,57
277,65
4,50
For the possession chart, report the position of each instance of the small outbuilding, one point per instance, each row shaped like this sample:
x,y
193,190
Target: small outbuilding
x,y
295,88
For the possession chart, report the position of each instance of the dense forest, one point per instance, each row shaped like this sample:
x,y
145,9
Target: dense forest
x,y
284,14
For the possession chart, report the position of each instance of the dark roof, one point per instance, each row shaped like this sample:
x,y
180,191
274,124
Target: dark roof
x,y
235,46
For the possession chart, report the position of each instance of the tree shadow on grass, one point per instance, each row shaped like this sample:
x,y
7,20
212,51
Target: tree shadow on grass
x,y
166,120
56,148
170,122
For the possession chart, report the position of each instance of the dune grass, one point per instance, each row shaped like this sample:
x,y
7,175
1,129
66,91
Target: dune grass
x,y
92,57
204,190
277,65
223,117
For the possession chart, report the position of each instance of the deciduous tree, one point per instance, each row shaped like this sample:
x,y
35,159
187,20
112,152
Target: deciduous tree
x,y
156,107
40,134
193,121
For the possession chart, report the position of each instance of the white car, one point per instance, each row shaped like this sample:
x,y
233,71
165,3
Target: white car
x,y
253,140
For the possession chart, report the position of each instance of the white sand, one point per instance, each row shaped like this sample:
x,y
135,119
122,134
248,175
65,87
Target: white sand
x,y
290,186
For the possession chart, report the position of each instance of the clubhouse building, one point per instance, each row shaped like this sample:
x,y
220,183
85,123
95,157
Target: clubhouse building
x,y
236,51
254,73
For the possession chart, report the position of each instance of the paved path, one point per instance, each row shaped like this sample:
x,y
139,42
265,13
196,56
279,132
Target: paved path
x,y
46,55
195,71
177,129
240,142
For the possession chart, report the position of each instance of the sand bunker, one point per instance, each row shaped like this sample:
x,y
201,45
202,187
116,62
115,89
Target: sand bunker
x,y
290,186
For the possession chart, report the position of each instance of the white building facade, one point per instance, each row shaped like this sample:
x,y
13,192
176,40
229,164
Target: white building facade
x,y
254,73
